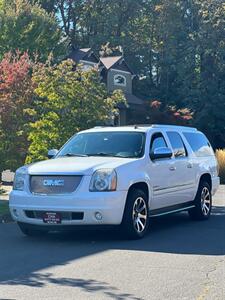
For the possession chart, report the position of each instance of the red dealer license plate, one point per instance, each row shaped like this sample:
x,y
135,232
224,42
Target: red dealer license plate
x,y
52,218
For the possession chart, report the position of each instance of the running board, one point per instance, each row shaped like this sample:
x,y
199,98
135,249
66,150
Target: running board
x,y
170,210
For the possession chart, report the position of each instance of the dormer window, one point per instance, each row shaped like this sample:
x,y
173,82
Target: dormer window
x,y
119,80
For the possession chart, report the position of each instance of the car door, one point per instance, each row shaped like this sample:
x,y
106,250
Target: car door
x,y
161,174
183,172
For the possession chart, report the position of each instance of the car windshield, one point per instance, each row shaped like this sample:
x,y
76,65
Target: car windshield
x,y
113,144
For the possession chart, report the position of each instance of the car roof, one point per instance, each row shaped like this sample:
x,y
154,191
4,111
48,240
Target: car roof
x,y
139,128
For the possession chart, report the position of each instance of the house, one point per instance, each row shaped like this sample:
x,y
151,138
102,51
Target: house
x,y
84,56
116,74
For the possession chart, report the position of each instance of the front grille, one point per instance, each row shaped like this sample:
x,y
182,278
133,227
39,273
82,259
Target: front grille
x,y
55,184
65,215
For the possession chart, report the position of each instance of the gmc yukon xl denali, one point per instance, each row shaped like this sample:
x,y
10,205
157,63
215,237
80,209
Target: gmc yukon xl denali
x,y
117,176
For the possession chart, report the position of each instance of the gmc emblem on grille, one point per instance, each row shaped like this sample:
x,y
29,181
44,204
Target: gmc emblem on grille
x,y
53,182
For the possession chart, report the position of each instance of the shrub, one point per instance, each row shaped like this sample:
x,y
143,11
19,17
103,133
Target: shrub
x,y
16,95
220,154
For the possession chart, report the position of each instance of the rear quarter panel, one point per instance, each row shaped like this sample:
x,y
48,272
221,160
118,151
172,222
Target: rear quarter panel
x,y
205,165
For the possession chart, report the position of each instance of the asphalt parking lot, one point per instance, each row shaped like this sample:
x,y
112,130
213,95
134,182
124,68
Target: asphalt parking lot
x,y
179,259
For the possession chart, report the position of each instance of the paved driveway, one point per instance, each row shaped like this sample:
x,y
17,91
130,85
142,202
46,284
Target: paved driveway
x,y
179,259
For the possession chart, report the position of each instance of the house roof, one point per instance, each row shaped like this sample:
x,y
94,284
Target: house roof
x,y
82,54
110,61
85,49
117,62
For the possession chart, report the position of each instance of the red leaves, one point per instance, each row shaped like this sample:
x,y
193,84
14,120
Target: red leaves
x,y
13,69
16,95
156,104
15,81
168,114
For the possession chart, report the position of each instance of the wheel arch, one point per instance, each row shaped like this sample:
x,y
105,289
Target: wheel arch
x,y
140,185
206,177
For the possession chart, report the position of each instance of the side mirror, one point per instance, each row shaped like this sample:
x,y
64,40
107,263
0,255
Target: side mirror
x,y
163,152
52,153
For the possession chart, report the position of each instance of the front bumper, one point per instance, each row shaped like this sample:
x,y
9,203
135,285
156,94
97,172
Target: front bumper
x,y
109,204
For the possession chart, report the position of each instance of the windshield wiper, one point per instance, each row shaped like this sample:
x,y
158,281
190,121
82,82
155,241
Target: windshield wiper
x,y
101,154
73,154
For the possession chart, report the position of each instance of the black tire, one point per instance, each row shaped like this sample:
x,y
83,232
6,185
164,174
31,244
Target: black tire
x,y
130,224
199,212
30,230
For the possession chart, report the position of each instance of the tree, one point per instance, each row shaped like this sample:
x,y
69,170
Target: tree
x,y
28,27
209,100
16,95
48,5
175,47
161,114
71,100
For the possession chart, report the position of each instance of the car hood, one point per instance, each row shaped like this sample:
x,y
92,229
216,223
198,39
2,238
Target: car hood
x,y
75,165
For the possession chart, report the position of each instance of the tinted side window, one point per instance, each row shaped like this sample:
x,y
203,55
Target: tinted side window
x,y
157,141
199,144
177,144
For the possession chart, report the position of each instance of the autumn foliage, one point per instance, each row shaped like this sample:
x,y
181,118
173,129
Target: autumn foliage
x,y
16,94
14,81
167,114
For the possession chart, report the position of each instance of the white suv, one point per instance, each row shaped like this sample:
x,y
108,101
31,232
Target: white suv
x,y
117,176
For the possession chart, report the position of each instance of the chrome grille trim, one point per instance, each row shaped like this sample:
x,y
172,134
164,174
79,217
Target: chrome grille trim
x,y
54,184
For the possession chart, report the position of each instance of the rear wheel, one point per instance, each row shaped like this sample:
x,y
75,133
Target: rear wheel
x,y
29,230
136,215
203,203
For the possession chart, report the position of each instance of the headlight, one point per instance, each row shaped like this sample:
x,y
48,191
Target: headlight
x,y
19,179
103,180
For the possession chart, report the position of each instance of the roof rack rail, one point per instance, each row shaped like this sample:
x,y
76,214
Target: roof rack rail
x,y
162,126
173,126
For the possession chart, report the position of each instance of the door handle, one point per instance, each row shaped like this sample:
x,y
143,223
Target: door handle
x,y
189,165
172,168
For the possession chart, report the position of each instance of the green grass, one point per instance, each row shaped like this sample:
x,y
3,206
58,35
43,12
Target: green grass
x,y
4,208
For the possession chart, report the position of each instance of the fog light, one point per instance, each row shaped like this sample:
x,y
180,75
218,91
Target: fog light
x,y
15,213
98,216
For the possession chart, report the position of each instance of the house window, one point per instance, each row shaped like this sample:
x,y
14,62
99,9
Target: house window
x,y
119,80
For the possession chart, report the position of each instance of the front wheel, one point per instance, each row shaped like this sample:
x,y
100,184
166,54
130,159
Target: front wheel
x,y
203,203
136,215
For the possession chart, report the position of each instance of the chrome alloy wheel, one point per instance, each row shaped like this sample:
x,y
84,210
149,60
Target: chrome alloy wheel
x,y
140,214
205,201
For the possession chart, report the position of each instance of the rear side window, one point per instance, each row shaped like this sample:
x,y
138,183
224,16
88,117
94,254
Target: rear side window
x,y
177,144
199,144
